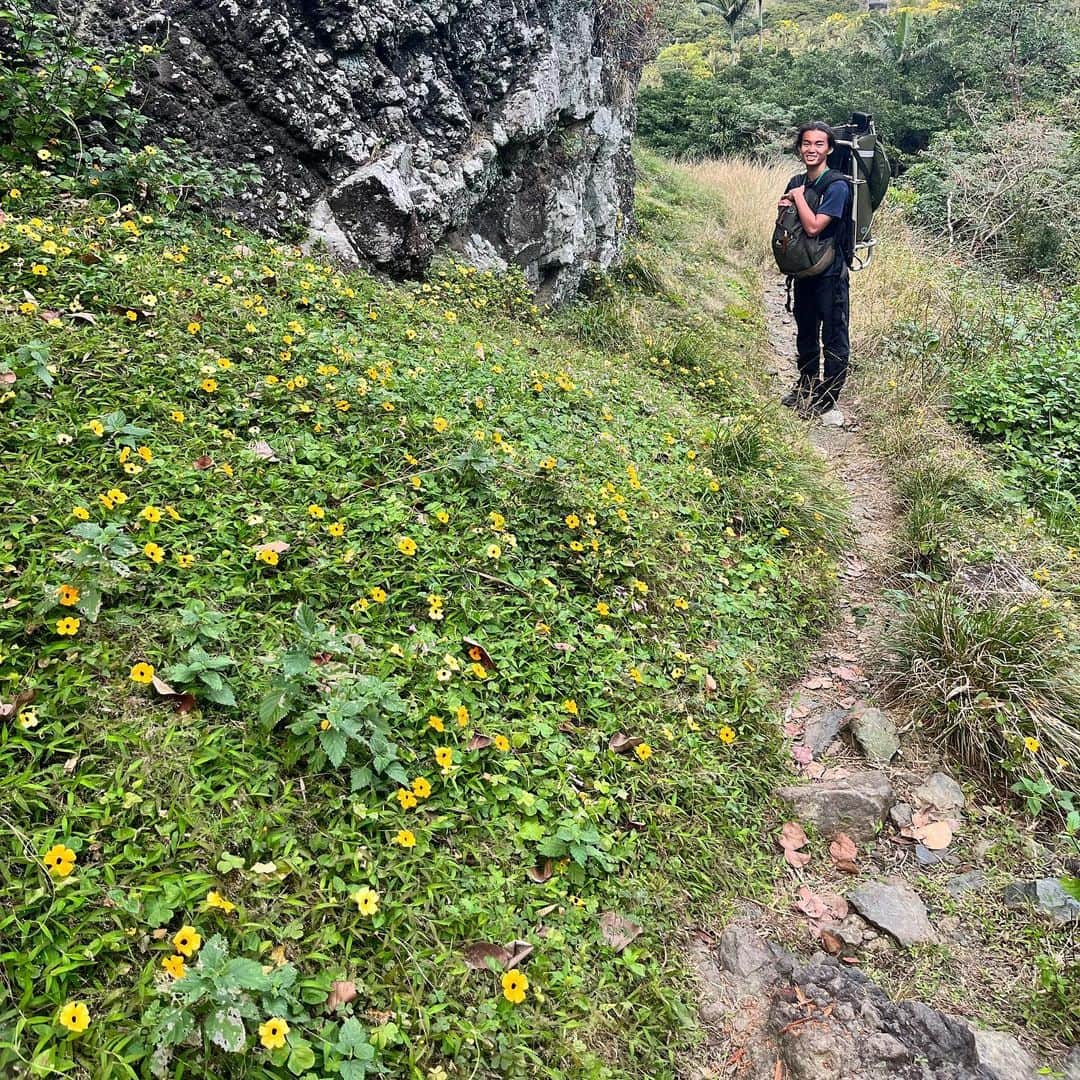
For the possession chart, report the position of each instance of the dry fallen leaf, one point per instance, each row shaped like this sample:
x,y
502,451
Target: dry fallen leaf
x,y
710,684
937,835
279,547
162,687
264,450
264,868
797,859
617,931
202,463
480,742
520,951
478,653
540,873
843,849
623,744
802,754
341,993
832,942
485,955
277,954
792,835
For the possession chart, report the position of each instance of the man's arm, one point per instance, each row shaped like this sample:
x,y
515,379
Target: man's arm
x,y
812,222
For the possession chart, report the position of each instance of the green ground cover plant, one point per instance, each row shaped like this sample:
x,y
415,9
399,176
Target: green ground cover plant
x,y
362,645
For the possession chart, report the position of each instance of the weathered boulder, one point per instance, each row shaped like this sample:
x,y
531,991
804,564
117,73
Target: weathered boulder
x,y
1046,896
856,804
394,128
825,1020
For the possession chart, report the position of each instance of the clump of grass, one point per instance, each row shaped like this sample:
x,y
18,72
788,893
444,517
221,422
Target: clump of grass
x,y
997,683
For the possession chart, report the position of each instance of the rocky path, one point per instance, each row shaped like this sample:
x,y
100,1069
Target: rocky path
x,y
782,989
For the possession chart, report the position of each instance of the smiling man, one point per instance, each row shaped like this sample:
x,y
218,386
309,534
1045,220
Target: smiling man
x,y
822,198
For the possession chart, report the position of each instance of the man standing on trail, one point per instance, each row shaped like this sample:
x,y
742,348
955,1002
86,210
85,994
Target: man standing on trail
x,y
821,197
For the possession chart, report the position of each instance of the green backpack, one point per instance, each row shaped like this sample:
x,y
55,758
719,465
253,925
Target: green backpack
x,y
799,255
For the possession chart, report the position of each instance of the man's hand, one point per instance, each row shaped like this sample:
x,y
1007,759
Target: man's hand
x,y
796,192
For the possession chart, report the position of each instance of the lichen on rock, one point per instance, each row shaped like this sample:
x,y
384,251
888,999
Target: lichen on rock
x,y
395,128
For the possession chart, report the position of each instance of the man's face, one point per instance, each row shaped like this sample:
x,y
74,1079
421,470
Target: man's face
x,y
814,148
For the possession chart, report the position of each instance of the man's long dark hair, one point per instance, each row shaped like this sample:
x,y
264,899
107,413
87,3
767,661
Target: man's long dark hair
x,y
815,125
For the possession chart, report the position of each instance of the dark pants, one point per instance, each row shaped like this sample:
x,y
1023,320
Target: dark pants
x,y
821,315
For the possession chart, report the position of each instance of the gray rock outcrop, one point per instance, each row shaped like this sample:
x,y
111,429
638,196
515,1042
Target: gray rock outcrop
x,y
825,1020
856,804
394,128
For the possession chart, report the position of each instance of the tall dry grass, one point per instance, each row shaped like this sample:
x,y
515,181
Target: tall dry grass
x,y
750,192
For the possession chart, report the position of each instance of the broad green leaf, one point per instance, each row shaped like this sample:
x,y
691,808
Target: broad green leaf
x,y
241,973
225,1028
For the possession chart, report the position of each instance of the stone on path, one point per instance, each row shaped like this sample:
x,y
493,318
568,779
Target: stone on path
x,y
959,884
1045,895
876,735
820,730
855,805
896,909
833,418
824,1020
942,791
900,815
1002,1053
925,856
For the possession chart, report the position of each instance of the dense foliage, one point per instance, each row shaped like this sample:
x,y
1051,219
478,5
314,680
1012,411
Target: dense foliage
x,y
375,635
981,99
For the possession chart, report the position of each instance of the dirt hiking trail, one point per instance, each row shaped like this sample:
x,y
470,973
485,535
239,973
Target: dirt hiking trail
x,y
799,989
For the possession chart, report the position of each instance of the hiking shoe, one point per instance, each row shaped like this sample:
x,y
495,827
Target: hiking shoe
x,y
798,397
818,405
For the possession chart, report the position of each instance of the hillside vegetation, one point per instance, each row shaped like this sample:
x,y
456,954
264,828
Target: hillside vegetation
x,y
361,642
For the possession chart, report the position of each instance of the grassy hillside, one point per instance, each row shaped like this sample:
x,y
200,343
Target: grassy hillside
x,y
347,625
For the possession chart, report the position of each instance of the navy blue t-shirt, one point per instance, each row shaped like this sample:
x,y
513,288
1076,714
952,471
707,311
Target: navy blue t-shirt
x,y
835,204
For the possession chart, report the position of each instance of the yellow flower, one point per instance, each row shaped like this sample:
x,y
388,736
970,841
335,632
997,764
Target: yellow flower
x,y
440,424
405,838
75,1016
727,734
502,743
68,627
336,529
176,416
643,751
681,603
548,463
38,270
97,427
640,587
151,514
421,788
514,985
216,900
267,556
406,798
493,551
193,327
407,546
272,1033
185,561
444,756
462,715
378,595
80,513
174,965
317,512
154,552
1031,745
436,724
209,385
367,900
442,517
187,940
635,674
146,454
142,673
571,706
60,860
68,595
602,609
572,521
